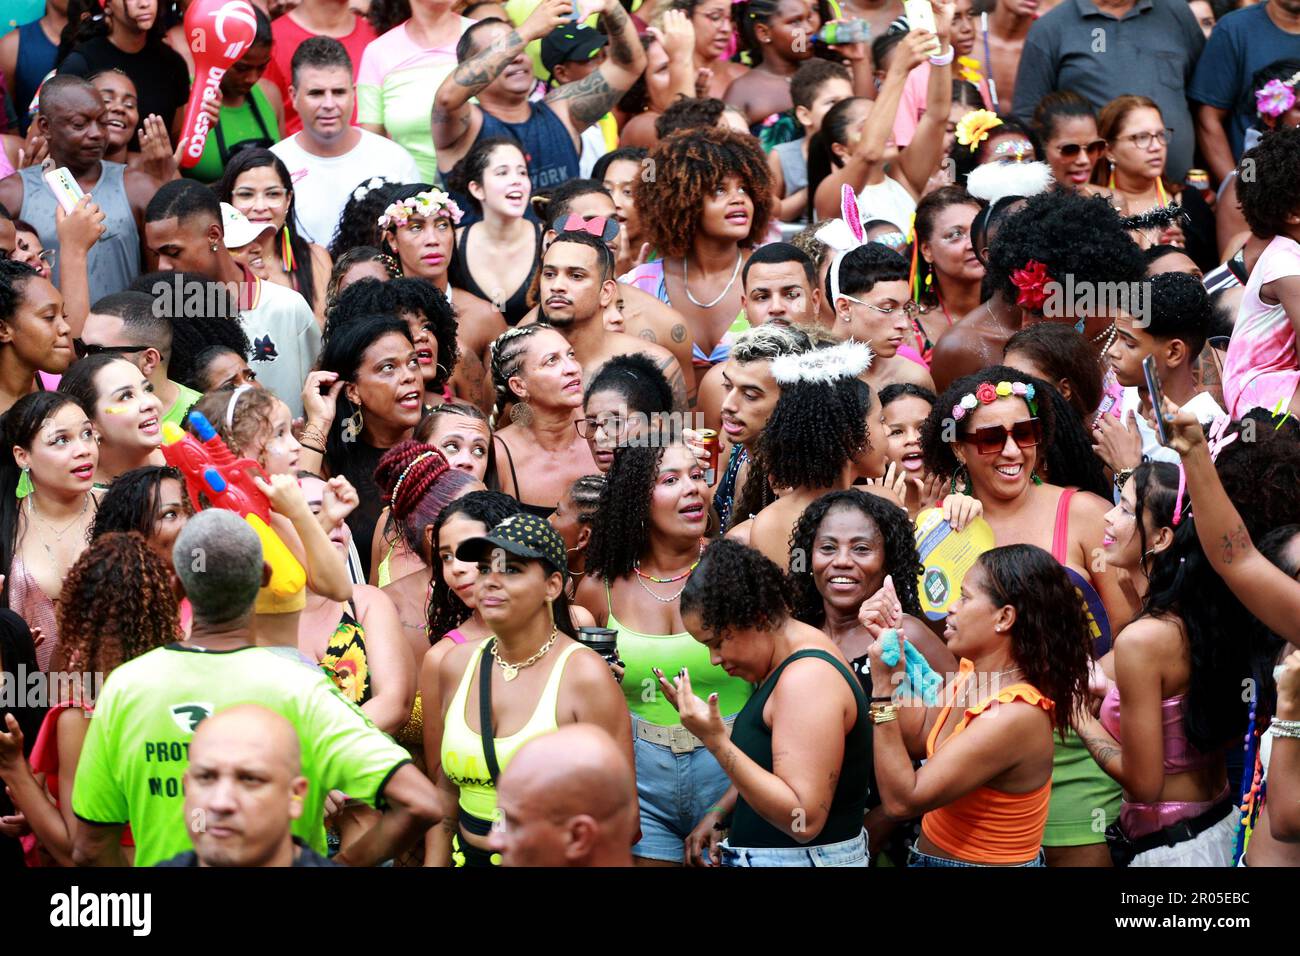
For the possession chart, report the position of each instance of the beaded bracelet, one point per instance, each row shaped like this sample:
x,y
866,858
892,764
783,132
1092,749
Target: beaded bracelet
x,y
1285,728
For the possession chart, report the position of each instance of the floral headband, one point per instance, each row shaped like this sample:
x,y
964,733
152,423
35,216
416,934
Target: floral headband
x,y
988,393
429,204
1276,96
975,126
367,187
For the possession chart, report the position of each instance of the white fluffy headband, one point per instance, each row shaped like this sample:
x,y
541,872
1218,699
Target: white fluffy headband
x,y
846,360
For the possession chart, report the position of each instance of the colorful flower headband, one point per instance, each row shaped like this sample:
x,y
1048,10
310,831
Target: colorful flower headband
x,y
975,126
1032,282
988,393
429,204
1276,96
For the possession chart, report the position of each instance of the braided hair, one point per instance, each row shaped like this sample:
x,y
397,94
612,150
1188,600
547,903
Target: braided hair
x,y
417,484
508,351
585,494
895,527
446,611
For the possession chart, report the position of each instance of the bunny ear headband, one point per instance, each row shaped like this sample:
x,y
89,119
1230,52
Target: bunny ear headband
x,y
843,235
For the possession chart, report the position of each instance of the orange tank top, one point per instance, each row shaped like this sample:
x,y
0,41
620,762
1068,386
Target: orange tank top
x,y
986,825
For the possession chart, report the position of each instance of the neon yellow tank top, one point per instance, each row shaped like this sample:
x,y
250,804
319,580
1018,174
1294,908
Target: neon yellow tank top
x,y
462,749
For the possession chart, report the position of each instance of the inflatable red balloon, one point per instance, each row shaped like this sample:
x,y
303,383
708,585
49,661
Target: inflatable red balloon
x,y
219,32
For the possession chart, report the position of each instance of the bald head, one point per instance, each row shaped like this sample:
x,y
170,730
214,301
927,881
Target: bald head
x,y
71,120
258,727
567,799
244,787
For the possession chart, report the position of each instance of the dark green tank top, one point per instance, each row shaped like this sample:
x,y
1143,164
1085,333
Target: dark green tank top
x,y
240,127
848,806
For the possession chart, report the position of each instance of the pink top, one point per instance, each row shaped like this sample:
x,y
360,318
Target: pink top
x,y
1262,367
911,107
29,602
1180,756
6,167
456,636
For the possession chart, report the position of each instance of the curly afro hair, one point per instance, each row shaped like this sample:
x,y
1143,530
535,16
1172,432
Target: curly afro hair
x,y
401,296
620,527
1051,640
735,587
446,611
1261,475
117,603
937,438
1072,235
815,430
1272,192
688,166
895,528
1068,459
359,221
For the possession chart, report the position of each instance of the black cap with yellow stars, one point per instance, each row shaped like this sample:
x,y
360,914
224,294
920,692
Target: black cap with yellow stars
x,y
523,535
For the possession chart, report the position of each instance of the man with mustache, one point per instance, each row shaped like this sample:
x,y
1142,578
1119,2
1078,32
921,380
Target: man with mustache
x,y
576,284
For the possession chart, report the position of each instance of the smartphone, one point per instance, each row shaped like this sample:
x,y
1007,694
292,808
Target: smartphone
x,y
64,186
1157,396
920,16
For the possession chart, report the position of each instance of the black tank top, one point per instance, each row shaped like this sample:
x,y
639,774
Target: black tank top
x,y
458,274
848,805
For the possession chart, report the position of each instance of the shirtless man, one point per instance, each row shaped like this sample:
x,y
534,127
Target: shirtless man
x,y
1009,24
642,314
576,286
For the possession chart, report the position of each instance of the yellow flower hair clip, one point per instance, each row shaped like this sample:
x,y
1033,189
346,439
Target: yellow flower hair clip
x,y
968,69
975,126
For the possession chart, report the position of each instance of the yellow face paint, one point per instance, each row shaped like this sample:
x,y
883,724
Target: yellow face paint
x,y
116,410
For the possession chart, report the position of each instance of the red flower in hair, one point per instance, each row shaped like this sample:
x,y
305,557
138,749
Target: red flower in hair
x,y
1031,281
986,392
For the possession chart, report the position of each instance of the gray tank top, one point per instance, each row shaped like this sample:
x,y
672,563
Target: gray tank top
x,y
793,166
115,259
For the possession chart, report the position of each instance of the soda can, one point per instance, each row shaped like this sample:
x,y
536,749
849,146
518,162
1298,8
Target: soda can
x,y
709,438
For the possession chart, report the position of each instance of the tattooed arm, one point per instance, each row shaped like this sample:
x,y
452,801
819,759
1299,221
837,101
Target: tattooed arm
x,y
583,102
1265,589
455,120
1142,651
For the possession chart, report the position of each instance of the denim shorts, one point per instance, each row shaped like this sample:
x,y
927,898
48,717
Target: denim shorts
x,y
674,791
916,858
852,852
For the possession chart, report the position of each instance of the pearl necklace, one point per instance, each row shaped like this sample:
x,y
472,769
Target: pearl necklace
x,y
686,280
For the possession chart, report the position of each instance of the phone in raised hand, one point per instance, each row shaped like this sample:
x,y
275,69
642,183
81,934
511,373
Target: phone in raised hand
x,y
1157,396
920,16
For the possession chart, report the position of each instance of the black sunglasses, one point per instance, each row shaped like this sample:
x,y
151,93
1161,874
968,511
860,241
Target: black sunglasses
x,y
991,439
84,349
1071,150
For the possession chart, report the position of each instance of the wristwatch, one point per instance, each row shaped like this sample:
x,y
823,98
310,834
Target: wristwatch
x,y
1121,477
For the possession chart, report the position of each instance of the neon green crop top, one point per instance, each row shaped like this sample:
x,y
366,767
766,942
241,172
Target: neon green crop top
x,y
462,749
670,653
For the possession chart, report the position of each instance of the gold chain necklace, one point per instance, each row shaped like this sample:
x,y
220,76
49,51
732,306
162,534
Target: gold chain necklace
x,y
511,671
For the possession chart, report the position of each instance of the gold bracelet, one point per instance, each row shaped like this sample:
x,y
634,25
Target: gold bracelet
x,y
883,715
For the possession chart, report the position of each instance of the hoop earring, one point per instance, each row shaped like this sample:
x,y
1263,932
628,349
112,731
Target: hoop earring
x,y
964,473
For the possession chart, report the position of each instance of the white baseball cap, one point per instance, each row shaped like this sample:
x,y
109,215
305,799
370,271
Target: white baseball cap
x,y
239,231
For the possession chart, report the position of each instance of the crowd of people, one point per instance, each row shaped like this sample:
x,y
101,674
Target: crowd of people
x,y
668,432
